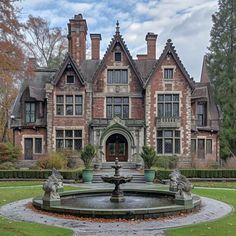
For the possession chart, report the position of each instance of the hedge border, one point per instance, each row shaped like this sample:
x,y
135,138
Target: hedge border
x,y
38,174
198,173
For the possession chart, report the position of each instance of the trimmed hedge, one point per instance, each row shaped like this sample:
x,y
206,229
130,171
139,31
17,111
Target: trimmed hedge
x,y
195,173
38,174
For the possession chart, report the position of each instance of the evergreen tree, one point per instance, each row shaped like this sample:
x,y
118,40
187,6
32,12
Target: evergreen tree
x,y
222,71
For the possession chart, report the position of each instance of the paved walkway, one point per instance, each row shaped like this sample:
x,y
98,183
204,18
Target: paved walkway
x,y
210,210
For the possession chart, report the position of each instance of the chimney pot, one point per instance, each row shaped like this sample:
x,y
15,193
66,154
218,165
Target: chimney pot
x,y
95,46
151,45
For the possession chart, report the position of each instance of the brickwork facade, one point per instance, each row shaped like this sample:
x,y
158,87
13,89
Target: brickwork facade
x,y
118,104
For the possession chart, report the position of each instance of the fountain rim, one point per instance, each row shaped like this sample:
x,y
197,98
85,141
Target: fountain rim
x,y
127,213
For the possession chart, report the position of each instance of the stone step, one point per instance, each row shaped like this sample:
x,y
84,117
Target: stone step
x,y
125,165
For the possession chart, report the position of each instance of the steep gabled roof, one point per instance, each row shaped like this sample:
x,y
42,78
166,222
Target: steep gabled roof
x,y
68,60
117,38
170,49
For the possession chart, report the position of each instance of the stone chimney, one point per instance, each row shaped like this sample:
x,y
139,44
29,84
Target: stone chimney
x,y
95,46
77,31
151,39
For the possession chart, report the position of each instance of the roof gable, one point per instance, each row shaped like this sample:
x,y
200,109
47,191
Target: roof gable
x,y
68,61
170,49
117,38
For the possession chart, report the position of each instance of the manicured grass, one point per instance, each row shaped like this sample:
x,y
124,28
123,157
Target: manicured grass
x,y
210,184
12,228
19,183
225,226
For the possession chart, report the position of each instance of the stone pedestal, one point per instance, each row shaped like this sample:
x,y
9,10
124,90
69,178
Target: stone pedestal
x,y
186,201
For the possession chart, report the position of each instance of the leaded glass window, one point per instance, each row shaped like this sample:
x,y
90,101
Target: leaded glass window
x,y
117,76
168,142
117,106
30,112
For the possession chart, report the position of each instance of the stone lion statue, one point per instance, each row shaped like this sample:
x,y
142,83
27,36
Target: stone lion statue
x,y
184,187
173,180
50,188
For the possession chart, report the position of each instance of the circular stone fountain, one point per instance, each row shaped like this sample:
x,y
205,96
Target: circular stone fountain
x,y
108,203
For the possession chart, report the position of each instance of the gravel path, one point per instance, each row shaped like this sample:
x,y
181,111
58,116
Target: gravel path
x,y
210,210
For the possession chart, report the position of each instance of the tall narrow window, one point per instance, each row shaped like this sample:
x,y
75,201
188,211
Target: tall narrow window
x,y
168,73
202,114
201,148
168,105
118,56
30,112
60,105
117,76
38,145
118,106
78,105
69,105
209,146
193,146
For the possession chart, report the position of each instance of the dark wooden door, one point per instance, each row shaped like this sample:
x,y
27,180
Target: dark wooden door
x,y
28,149
116,146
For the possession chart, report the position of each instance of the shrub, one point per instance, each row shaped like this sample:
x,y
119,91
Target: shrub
x,y
7,166
9,152
167,162
87,154
149,156
53,160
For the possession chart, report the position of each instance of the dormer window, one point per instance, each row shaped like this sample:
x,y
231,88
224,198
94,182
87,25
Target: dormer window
x,y
70,79
117,56
201,114
117,76
30,112
168,73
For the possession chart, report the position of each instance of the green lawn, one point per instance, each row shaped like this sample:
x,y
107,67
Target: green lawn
x,y
12,228
225,226
211,184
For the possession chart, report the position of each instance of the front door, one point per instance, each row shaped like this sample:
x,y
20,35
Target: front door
x,y
28,149
116,146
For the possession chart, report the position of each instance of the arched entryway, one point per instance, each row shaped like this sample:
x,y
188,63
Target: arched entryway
x,y
116,146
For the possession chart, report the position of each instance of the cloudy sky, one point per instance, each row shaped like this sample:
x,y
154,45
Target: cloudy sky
x,y
186,22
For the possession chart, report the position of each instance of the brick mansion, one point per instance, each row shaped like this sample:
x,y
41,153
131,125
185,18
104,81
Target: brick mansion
x,y
117,103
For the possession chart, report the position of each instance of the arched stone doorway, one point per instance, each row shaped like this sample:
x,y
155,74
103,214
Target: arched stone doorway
x,y
116,146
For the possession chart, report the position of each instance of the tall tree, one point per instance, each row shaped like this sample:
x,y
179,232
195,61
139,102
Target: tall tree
x,y
222,70
47,45
11,60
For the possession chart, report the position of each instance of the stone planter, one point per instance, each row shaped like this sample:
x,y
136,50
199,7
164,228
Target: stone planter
x,y
87,175
149,175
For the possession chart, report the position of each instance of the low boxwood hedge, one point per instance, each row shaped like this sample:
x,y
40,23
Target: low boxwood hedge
x,y
196,173
38,174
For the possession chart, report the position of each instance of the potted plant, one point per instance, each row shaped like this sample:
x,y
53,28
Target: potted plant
x,y
149,157
87,155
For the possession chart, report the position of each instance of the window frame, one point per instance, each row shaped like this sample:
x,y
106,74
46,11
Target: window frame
x,y
34,137
117,79
174,138
66,138
163,103
66,104
167,71
203,121
124,106
118,53
70,76
31,103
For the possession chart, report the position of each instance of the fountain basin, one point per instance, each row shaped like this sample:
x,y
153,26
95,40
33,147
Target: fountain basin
x,y
139,204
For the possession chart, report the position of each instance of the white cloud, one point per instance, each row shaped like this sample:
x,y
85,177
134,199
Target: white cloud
x,y
187,22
